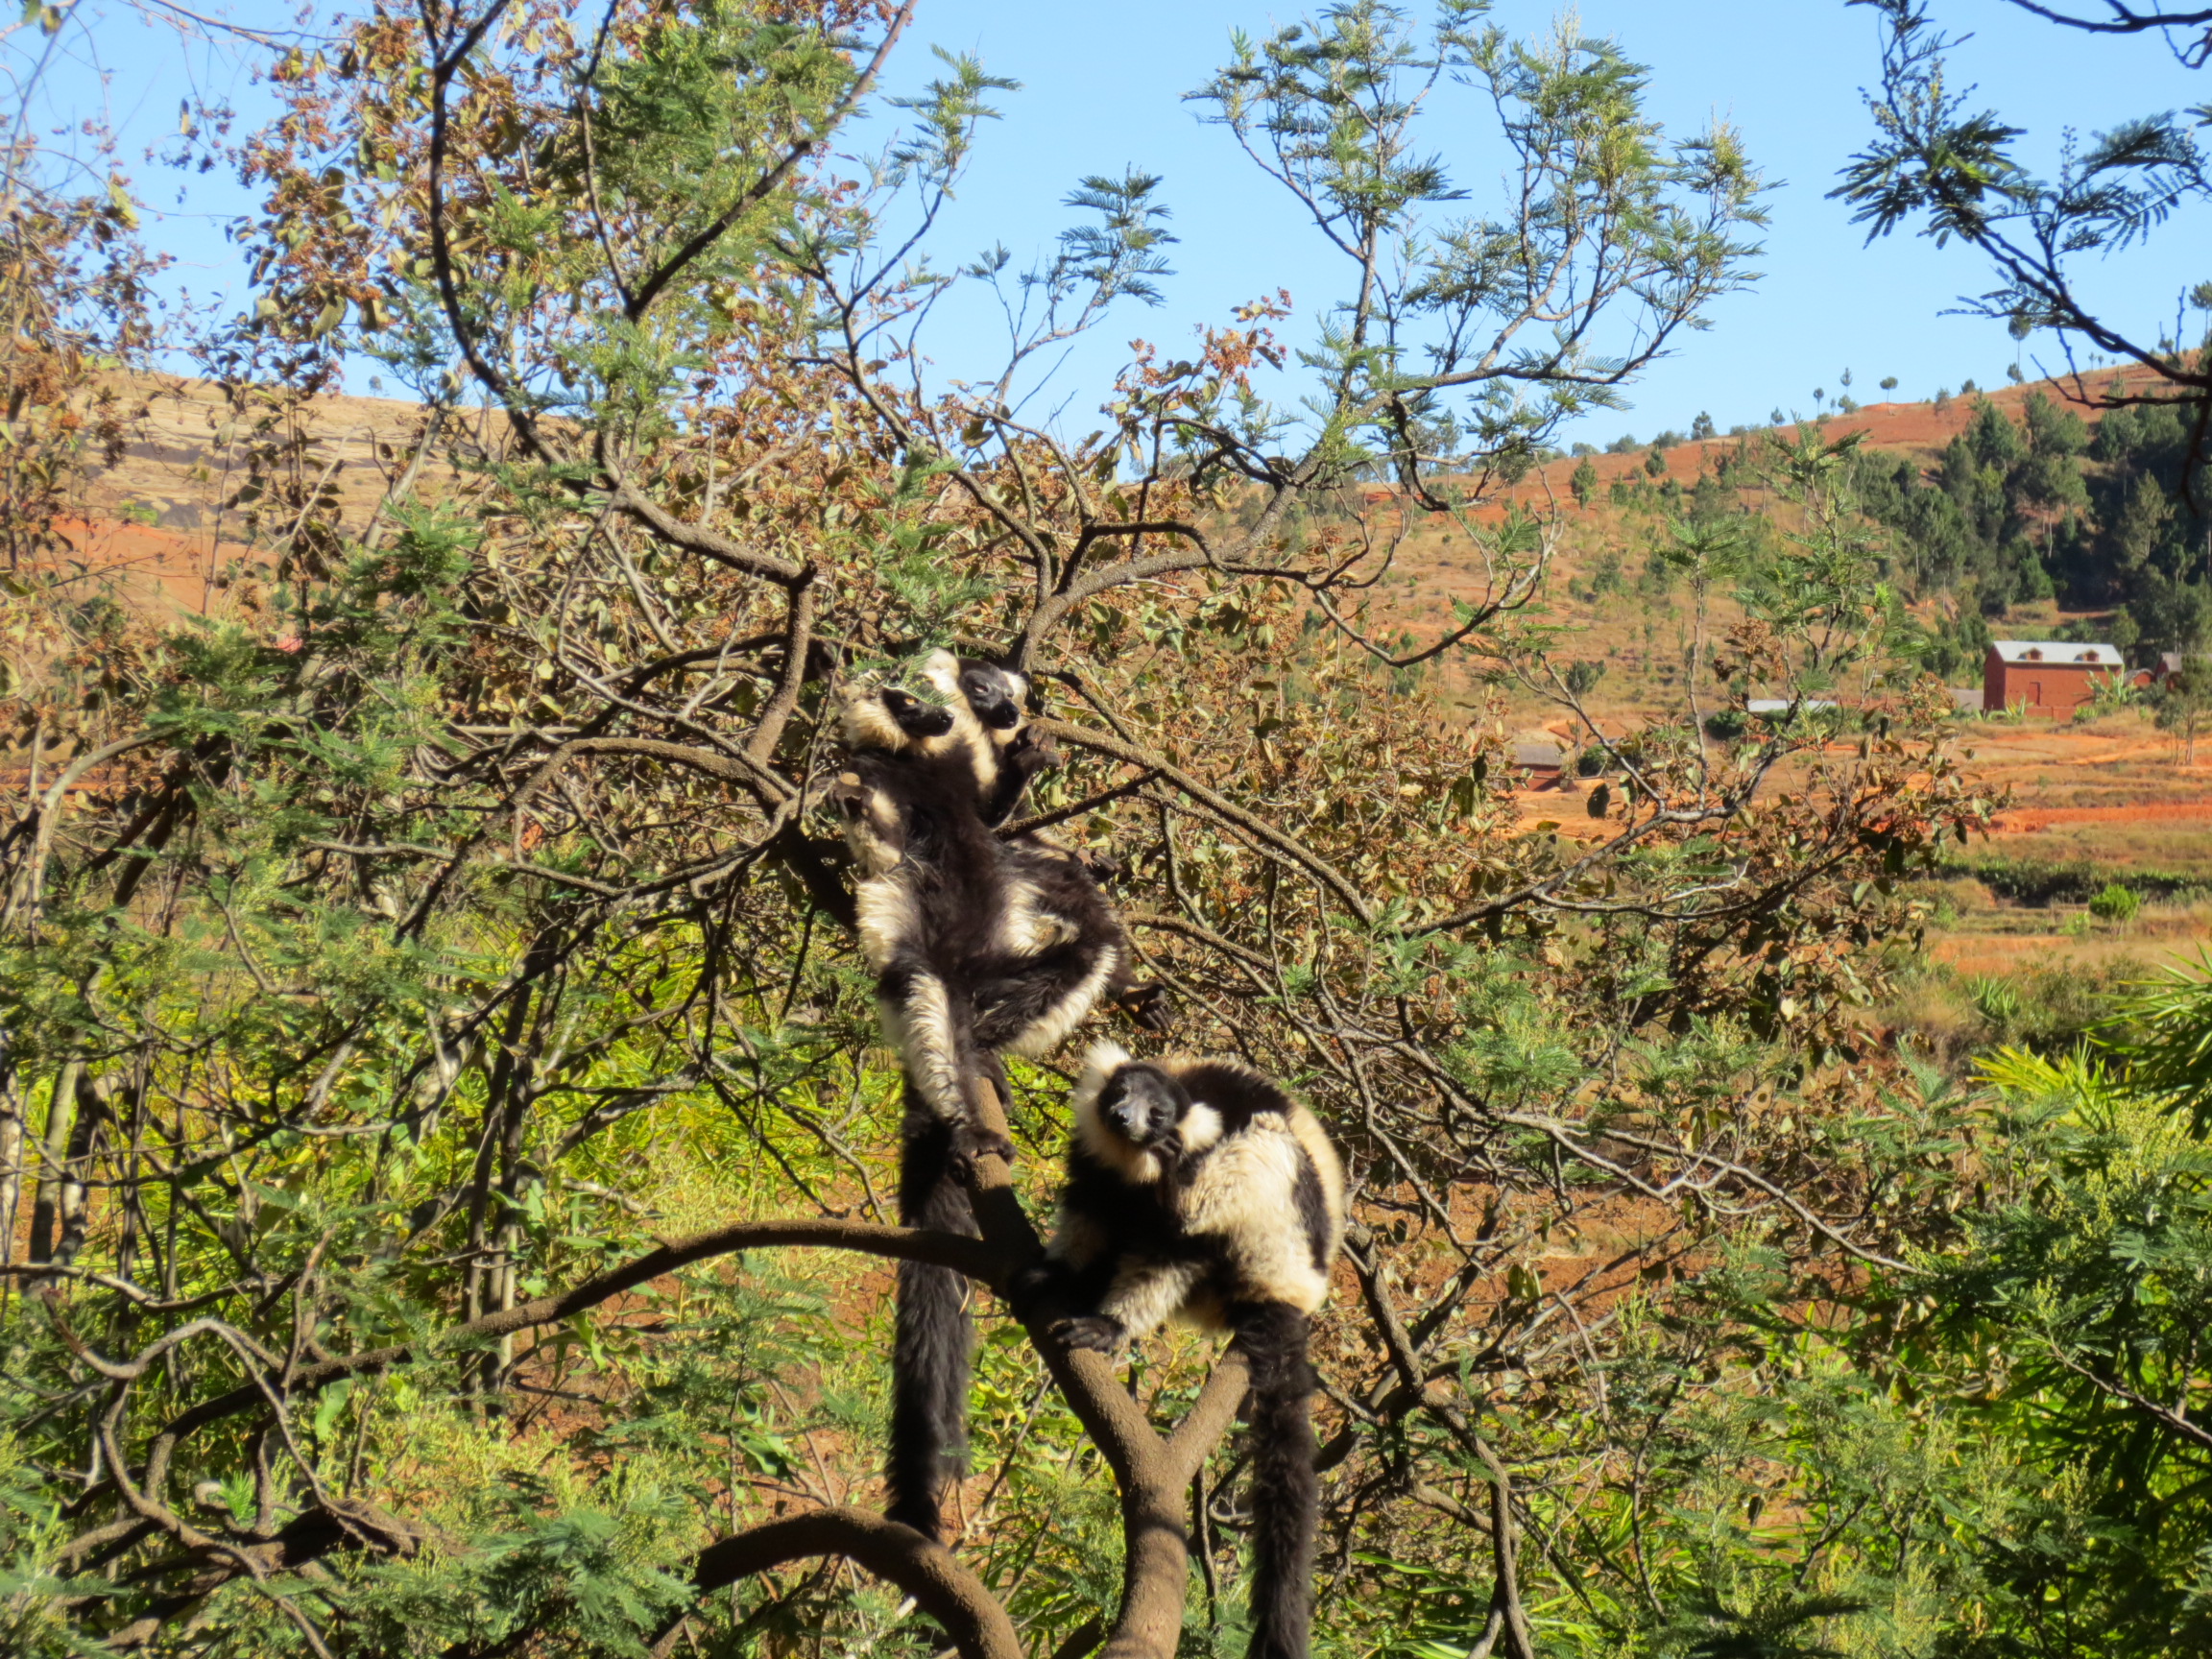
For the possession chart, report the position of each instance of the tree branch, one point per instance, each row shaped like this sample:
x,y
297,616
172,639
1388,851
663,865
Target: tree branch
x,y
975,1258
897,1554
1320,869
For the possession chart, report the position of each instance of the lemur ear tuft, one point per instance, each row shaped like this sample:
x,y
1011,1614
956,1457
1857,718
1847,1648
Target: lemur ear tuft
x,y
940,670
1101,1063
1105,1057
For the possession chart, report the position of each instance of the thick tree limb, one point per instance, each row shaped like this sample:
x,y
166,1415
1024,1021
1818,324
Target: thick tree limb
x,y
943,1589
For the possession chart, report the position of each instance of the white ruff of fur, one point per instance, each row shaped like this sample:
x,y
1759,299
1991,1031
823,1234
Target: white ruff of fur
x,y
868,724
1099,1138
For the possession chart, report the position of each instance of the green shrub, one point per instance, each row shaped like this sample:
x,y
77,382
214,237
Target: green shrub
x,y
2068,882
2116,903
1582,677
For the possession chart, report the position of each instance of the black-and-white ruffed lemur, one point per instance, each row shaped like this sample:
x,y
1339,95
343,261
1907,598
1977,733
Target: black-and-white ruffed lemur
x,y
980,947
1198,1188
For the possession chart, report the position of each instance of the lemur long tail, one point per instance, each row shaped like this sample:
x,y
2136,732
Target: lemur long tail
x,y
1285,1492
935,1331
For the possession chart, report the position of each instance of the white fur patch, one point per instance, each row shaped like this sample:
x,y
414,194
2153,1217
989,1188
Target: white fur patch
x,y
883,914
941,671
1202,1127
874,835
922,1031
1028,929
1065,1015
1143,1297
1245,1195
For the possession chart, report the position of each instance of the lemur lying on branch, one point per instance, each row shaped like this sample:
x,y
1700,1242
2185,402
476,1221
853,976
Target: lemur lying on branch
x,y
1198,1188
980,947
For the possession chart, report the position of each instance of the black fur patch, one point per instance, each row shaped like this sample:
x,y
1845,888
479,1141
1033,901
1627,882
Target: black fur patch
x,y
934,1334
1236,1092
993,694
1313,1212
1285,1491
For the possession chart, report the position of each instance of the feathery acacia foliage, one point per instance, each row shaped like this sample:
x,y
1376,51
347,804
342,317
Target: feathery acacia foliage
x,y
1954,170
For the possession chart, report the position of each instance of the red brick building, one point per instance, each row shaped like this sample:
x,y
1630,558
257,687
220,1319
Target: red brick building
x,y
2046,675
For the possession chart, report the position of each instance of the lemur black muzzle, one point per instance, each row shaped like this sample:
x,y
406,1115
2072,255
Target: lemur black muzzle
x,y
916,718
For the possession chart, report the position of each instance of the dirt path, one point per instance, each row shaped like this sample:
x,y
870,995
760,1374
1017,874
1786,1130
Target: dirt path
x,y
2027,820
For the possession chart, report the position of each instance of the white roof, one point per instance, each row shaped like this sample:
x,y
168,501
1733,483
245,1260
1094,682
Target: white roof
x,y
1783,704
2066,653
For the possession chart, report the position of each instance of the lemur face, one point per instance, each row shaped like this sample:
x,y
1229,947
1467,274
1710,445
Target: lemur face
x,y
1143,1105
993,695
916,719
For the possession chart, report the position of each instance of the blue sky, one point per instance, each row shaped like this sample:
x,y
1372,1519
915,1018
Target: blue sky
x,y
1101,90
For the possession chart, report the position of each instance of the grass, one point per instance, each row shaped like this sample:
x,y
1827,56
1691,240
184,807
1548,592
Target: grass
x,y
2014,954
2168,850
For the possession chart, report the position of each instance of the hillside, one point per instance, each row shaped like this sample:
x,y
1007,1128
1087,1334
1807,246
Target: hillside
x,y
1615,605
163,523
1917,429
175,510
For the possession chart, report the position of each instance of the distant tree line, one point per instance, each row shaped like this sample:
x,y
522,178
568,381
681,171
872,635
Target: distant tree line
x,y
2044,508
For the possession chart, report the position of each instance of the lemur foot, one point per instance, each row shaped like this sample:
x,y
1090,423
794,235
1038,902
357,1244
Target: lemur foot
x,y
1101,1333
1105,868
1148,1005
971,1145
1031,754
